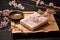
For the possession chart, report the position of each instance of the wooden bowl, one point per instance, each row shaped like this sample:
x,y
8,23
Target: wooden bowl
x,y
16,15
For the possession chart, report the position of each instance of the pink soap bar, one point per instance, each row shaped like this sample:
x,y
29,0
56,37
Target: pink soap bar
x,y
34,21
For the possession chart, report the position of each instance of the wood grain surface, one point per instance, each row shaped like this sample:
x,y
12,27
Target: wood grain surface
x,y
50,26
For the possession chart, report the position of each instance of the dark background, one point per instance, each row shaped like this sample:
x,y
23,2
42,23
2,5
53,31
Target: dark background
x,y
4,3
40,36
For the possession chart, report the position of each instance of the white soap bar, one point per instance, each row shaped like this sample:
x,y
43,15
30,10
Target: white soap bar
x,y
34,21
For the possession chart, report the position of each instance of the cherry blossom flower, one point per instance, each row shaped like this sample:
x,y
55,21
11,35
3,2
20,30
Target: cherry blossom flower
x,y
37,2
39,11
20,6
51,4
49,12
6,12
4,24
10,3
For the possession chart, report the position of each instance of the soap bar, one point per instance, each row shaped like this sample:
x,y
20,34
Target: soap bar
x,y
34,21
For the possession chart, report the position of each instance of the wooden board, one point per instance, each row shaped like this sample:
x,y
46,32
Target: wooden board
x,y
45,28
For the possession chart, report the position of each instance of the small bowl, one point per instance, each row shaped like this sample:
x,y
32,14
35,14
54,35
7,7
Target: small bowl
x,y
16,15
